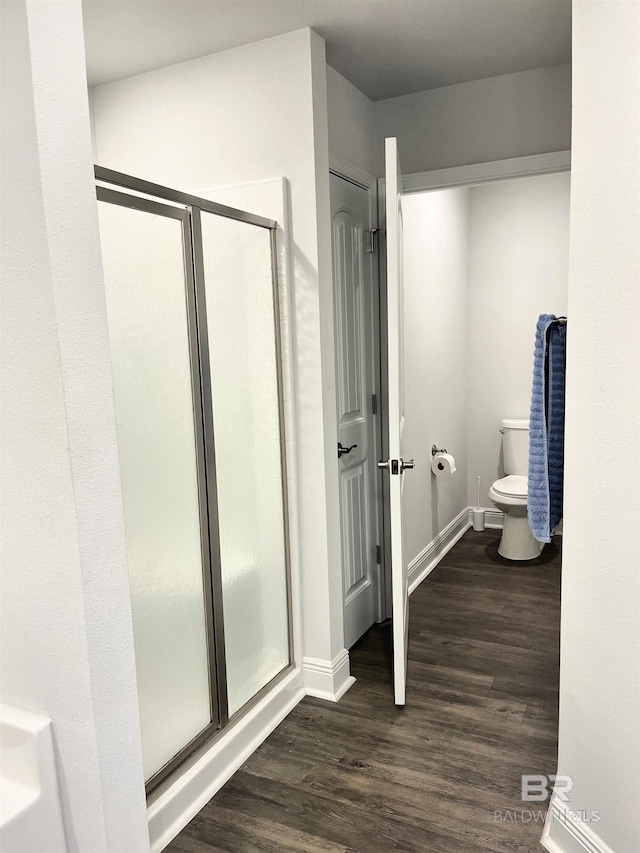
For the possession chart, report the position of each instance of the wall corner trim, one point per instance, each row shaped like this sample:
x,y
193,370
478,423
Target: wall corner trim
x,y
326,679
562,833
495,170
352,173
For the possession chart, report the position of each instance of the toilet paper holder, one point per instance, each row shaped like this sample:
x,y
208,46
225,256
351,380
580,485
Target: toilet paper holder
x,y
435,450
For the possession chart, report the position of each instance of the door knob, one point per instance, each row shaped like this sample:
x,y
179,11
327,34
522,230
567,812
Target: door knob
x,y
396,466
342,451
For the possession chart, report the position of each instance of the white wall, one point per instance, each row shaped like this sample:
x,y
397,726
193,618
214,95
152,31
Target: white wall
x,y
493,119
518,269
227,119
599,743
435,329
350,117
513,115
67,642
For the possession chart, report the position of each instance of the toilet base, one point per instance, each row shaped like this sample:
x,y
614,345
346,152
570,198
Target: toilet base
x,y
518,542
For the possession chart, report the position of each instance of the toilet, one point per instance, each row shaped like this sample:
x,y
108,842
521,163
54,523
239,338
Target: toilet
x,y
509,493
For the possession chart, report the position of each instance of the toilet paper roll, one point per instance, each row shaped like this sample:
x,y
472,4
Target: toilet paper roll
x,y
443,463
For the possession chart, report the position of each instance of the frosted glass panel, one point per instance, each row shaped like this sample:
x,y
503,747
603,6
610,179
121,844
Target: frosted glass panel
x,y
145,289
241,332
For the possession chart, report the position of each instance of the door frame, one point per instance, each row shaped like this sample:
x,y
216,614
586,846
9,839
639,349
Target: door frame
x,y
483,173
358,177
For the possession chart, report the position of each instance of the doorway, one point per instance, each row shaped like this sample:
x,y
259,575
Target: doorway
x,y
507,287
357,342
480,262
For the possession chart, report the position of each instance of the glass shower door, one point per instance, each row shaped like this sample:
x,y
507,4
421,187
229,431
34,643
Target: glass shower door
x,y
148,282
193,316
242,325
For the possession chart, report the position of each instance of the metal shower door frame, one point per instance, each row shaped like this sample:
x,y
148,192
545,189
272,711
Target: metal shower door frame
x,y
163,201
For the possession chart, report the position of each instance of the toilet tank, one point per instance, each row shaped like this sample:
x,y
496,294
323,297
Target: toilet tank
x,y
515,445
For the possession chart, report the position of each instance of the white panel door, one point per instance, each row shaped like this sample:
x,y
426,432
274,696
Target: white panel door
x,y
396,463
355,315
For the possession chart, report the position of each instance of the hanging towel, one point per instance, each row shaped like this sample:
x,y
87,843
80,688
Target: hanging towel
x,y
546,428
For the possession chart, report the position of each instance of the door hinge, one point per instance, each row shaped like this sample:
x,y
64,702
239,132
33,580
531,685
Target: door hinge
x,y
378,555
374,404
372,240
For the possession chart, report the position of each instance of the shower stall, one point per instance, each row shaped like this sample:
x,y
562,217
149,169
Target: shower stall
x,y
193,316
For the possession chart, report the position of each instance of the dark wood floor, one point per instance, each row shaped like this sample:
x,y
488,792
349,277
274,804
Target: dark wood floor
x,y
365,776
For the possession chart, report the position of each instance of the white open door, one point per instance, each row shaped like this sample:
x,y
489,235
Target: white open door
x,y
355,308
396,464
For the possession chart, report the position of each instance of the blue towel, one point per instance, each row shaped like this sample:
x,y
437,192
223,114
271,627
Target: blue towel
x,y
546,428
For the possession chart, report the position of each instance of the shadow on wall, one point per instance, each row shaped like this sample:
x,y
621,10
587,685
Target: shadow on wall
x,y
435,492
440,501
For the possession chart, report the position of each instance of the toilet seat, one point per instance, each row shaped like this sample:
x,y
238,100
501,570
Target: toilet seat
x,y
512,486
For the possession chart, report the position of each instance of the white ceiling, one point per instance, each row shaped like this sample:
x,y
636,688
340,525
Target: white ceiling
x,y
384,47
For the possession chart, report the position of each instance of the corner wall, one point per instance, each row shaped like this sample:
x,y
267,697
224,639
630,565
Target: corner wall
x,y
497,118
67,639
351,128
599,738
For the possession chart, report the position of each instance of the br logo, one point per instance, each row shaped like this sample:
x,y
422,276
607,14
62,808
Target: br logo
x,y
537,787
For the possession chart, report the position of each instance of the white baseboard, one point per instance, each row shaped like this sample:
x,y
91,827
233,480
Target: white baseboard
x,y
429,557
327,679
566,833
198,781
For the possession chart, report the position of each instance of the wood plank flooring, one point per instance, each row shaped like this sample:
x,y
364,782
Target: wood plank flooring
x,y
366,777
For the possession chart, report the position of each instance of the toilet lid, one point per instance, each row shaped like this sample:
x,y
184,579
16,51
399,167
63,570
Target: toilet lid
x,y
513,486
